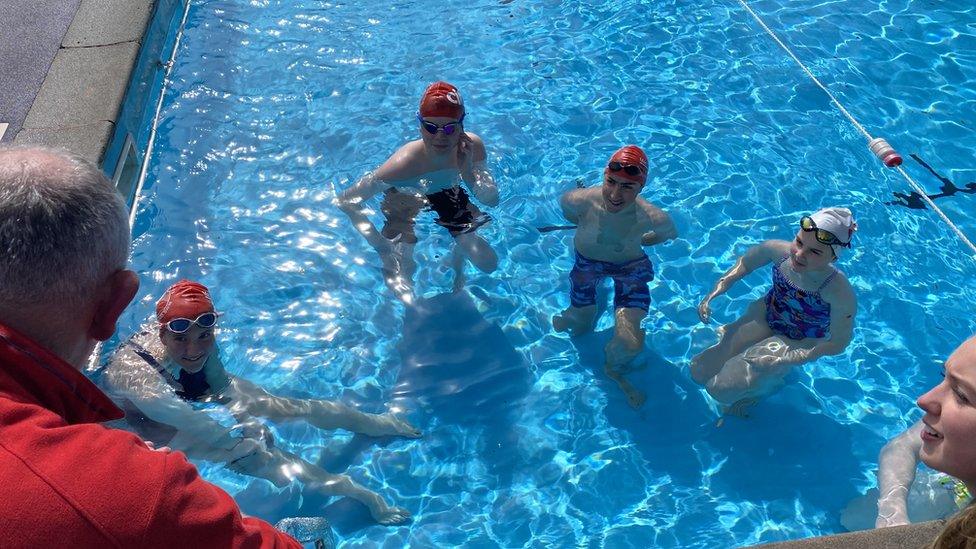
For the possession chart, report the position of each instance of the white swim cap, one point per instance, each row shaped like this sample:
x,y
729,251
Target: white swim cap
x,y
838,222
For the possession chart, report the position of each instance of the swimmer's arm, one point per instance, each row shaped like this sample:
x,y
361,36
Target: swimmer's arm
x,y
754,258
402,166
351,202
477,177
897,464
663,228
255,400
134,380
572,203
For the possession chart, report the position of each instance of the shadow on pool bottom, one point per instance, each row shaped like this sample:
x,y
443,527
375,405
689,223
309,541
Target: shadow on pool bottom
x,y
786,451
460,369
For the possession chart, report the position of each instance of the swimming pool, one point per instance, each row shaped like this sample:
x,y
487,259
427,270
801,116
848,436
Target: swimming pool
x,y
276,105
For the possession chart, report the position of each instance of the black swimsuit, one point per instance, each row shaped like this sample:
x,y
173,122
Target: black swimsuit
x,y
194,386
454,209
188,386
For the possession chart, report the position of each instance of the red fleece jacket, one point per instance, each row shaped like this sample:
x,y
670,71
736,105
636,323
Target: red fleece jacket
x,y
66,481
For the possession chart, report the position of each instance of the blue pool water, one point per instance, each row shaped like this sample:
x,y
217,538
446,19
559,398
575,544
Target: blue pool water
x,y
276,105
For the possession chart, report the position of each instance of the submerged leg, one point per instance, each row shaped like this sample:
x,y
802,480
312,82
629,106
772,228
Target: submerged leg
x,y
733,339
575,320
478,250
748,376
627,343
400,210
329,415
457,263
282,467
399,268
324,414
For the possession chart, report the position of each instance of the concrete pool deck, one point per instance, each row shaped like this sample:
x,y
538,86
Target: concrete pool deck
x,y
912,536
65,67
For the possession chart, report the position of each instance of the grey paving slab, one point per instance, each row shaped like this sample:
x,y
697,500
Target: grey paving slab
x,y
84,86
104,22
911,536
88,141
30,35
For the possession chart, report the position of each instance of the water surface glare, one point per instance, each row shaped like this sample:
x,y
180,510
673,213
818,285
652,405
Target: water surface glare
x,y
277,105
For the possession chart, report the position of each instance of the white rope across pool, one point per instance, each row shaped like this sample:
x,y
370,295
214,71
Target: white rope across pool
x,y
873,143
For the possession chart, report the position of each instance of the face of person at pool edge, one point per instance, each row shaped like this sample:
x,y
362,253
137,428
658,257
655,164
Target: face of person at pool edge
x,y
949,432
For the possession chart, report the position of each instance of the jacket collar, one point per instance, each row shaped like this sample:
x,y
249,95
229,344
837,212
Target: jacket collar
x,y
31,373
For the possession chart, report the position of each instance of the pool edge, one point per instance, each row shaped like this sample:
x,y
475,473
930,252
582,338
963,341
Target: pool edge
x,y
896,537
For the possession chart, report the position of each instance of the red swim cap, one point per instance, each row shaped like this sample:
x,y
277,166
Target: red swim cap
x,y
442,99
185,299
631,155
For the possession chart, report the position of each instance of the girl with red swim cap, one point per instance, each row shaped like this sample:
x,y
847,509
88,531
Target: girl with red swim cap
x,y
158,373
613,225
430,172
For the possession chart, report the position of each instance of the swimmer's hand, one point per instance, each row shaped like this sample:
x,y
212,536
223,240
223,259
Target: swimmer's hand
x,y
152,446
465,154
705,310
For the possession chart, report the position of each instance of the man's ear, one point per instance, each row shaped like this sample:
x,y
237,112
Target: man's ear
x,y
115,295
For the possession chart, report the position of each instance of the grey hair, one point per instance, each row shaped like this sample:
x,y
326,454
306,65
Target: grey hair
x,y
63,227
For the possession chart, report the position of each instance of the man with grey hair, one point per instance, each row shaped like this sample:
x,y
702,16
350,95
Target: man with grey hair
x,y
64,240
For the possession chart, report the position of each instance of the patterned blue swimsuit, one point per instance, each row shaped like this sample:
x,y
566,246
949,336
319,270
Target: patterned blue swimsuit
x,y
795,313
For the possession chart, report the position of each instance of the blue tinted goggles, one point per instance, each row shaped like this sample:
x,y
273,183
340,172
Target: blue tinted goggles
x,y
181,325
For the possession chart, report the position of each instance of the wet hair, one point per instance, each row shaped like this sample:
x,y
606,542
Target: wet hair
x,y
959,532
63,227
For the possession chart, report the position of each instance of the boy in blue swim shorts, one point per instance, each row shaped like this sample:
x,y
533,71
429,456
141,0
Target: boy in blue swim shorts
x,y
613,223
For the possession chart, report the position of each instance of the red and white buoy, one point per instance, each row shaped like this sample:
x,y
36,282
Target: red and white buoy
x,y
885,152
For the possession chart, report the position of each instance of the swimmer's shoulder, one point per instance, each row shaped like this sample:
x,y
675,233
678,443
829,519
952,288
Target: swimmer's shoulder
x,y
478,146
128,366
139,343
651,213
840,291
767,251
581,200
408,163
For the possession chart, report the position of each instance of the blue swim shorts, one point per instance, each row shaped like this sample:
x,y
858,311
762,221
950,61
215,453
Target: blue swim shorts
x,y
630,281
